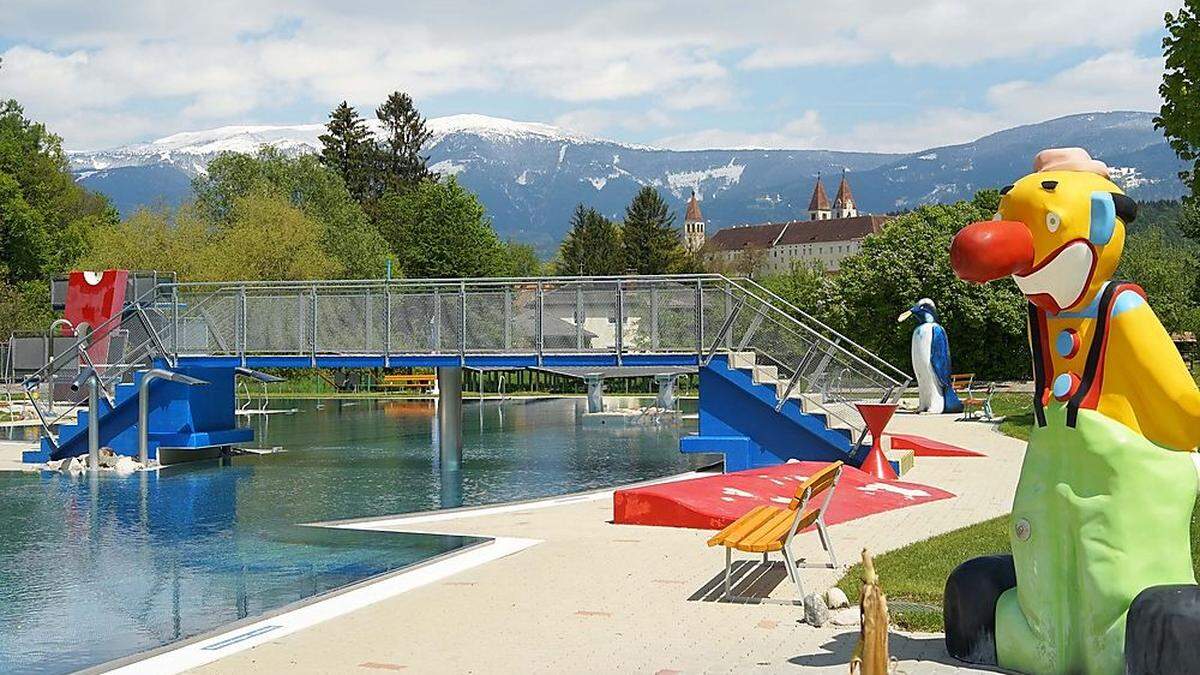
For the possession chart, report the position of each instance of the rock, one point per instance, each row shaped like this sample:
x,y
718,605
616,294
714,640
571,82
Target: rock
x,y
54,464
72,466
126,465
815,612
108,458
835,598
846,617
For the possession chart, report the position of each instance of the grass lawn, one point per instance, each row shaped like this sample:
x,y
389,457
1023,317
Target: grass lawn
x,y
914,577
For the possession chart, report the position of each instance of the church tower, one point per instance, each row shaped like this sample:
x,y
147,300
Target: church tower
x,y
843,203
693,225
818,206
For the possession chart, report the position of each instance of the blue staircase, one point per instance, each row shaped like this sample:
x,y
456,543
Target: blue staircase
x,y
739,419
180,417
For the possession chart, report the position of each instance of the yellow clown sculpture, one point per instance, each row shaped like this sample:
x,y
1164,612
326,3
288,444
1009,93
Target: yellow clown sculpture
x,y
1100,578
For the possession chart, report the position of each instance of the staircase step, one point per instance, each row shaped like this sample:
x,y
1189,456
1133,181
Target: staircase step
x,y
768,375
743,360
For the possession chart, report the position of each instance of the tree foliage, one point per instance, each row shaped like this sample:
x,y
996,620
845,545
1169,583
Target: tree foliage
x,y
592,247
1179,116
399,161
348,149
347,236
652,245
438,229
521,260
45,217
1168,271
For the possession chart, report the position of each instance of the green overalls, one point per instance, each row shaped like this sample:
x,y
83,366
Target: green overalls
x,y
1100,514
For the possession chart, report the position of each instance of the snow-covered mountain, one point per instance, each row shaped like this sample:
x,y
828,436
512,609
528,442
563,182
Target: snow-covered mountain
x,y
531,175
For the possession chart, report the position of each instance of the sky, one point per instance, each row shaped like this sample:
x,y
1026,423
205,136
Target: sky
x,y
872,75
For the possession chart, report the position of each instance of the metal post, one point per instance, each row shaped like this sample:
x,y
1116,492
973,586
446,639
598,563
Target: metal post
x,y
578,316
595,393
387,318
175,323
313,336
241,338
620,328
462,323
93,422
541,312
449,380
144,405
699,322
654,318
666,391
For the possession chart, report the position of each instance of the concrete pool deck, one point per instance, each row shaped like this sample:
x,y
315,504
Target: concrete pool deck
x,y
595,597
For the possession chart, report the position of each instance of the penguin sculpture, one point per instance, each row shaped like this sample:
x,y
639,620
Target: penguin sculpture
x,y
1100,578
931,360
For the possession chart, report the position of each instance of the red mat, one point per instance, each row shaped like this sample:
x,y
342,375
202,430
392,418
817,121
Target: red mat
x,y
927,447
712,502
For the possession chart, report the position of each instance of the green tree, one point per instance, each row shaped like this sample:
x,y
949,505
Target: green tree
x,y
45,217
269,239
348,149
521,260
438,229
1168,271
909,260
811,288
652,244
157,239
1179,116
347,235
592,247
399,160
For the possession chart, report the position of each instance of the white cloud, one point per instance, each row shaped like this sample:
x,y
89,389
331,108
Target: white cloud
x,y
802,132
230,61
597,121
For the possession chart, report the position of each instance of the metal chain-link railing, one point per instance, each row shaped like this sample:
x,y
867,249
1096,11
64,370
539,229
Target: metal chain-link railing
x,y
695,316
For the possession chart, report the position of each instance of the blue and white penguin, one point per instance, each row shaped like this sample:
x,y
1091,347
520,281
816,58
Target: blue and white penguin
x,y
931,360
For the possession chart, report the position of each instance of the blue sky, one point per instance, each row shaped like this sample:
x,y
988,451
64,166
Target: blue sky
x,y
852,75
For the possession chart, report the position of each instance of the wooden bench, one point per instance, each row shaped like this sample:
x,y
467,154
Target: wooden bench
x,y
420,382
769,528
973,405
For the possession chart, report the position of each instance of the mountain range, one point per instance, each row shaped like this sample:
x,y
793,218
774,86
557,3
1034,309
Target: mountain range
x,y
530,176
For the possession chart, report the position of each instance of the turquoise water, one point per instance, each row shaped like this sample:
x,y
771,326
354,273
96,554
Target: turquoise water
x,y
94,570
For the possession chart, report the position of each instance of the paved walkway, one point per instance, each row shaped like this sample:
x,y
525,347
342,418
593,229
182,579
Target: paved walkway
x,y
597,597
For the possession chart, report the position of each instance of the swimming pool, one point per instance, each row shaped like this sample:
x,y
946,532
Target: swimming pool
x,y
94,570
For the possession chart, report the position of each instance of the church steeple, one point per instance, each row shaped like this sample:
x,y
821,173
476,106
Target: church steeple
x,y
843,203
693,225
818,206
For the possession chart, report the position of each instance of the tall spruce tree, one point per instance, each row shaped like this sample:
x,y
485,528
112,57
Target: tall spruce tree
x,y
592,247
348,149
651,242
400,163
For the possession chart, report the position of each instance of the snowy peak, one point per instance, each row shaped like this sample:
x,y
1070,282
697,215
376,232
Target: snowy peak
x,y
496,128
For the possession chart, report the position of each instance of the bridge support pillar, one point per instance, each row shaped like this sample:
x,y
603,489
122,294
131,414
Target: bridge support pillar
x,y
666,391
595,393
449,411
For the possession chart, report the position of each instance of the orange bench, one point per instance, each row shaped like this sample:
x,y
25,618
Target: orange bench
x,y
769,528
421,382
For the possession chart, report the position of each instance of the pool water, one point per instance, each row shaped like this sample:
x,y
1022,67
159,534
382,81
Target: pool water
x,y
96,569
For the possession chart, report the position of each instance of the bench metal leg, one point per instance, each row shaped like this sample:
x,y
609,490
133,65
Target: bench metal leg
x,y
794,573
826,543
728,571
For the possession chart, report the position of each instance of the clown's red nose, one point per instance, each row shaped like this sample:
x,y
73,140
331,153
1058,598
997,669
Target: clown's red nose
x,y
991,249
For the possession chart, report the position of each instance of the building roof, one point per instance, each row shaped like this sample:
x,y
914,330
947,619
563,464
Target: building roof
x,y
747,237
833,229
693,214
843,194
750,237
820,200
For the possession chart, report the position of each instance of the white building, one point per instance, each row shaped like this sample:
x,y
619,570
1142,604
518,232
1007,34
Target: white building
x,y
831,233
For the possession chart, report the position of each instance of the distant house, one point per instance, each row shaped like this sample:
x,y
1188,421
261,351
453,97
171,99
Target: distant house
x,y
829,235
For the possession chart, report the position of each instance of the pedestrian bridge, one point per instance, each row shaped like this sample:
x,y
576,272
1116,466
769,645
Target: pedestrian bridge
x,y
550,322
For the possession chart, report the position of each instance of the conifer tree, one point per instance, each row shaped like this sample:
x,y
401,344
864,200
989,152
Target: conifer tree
x,y
347,149
592,247
400,163
651,242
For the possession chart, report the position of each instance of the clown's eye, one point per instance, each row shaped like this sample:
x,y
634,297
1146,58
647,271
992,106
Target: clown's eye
x,y
997,216
1053,220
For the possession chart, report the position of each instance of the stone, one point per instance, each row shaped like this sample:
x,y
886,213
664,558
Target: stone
x,y
72,466
108,458
835,598
126,465
816,614
846,617
54,464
